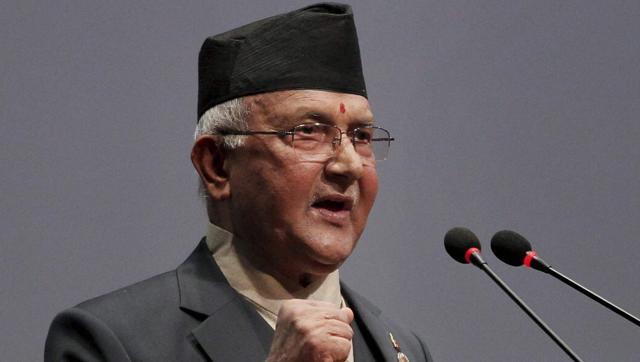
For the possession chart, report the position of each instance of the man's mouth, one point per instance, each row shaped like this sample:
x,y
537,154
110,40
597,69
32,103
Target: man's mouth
x,y
334,203
330,205
335,208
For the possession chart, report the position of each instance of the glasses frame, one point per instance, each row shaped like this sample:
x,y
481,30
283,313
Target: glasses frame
x,y
336,141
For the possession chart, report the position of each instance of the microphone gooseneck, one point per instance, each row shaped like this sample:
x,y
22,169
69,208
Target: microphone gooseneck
x,y
514,249
464,247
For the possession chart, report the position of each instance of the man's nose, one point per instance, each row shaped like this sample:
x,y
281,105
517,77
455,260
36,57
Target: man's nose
x,y
347,163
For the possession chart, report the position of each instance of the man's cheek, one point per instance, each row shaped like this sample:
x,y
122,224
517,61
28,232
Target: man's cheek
x,y
369,188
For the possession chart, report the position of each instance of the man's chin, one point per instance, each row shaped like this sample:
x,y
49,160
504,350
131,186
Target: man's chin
x,y
324,263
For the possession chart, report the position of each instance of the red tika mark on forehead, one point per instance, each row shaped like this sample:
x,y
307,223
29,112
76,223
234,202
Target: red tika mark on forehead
x,y
342,108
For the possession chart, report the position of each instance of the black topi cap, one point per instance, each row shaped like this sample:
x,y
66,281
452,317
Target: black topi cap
x,y
315,47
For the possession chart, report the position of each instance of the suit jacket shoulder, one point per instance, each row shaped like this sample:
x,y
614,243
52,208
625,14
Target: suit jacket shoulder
x,y
188,314
140,322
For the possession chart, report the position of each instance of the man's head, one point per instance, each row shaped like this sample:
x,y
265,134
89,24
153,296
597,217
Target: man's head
x,y
302,210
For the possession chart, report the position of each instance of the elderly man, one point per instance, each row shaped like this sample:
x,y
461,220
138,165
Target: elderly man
x,y
286,149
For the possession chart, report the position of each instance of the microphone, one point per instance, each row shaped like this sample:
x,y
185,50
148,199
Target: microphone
x,y
463,246
514,249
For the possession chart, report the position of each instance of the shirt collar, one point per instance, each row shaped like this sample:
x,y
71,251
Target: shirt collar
x,y
259,287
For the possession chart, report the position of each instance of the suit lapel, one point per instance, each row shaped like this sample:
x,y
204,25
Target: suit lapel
x,y
230,335
370,317
231,330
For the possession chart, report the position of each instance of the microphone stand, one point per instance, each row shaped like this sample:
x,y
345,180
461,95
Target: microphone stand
x,y
477,260
539,264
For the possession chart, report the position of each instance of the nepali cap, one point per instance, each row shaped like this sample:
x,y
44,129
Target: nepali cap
x,y
315,47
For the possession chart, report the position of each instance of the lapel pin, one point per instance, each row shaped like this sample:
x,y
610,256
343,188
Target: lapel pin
x,y
401,356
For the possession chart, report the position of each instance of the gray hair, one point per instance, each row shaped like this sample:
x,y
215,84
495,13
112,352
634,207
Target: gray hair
x,y
230,115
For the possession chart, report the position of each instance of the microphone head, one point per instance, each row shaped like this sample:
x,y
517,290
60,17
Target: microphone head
x,y
458,241
510,247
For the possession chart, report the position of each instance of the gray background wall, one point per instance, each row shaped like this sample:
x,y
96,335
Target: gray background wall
x,y
508,114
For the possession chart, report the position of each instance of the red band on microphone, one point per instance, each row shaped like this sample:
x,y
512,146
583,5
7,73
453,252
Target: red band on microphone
x,y
467,255
527,259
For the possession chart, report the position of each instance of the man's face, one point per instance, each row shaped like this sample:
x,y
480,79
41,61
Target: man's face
x,y
300,217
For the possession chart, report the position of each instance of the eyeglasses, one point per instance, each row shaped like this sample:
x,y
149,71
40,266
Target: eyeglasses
x,y
320,141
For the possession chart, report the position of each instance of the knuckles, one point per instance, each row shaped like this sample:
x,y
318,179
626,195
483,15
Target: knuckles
x,y
312,331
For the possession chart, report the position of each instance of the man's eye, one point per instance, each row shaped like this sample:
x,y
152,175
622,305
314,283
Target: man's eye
x,y
310,129
362,135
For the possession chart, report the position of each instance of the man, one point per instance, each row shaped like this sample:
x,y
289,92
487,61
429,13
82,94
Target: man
x,y
286,149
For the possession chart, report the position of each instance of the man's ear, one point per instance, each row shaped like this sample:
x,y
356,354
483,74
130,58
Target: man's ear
x,y
210,160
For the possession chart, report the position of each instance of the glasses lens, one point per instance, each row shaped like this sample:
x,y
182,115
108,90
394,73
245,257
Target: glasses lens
x,y
315,141
372,143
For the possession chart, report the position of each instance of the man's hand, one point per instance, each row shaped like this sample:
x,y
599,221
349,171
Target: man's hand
x,y
311,331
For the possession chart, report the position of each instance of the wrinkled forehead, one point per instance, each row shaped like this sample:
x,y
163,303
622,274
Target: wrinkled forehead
x,y
284,107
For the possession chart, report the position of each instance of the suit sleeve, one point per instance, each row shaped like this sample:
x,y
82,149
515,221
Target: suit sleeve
x,y
77,335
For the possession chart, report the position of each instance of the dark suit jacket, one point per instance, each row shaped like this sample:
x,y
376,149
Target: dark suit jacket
x,y
190,314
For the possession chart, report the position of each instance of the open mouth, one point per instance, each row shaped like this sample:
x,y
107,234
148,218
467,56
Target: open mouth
x,y
333,203
330,205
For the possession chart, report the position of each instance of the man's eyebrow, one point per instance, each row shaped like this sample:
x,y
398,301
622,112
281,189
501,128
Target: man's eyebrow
x,y
318,116
370,122
306,116
322,117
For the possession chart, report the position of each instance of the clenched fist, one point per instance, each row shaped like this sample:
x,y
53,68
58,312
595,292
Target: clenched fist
x,y
311,331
